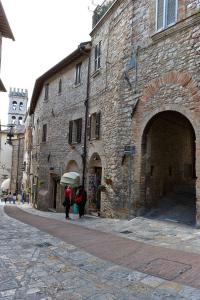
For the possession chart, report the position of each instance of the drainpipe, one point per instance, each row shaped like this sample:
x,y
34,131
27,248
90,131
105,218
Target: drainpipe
x,y
84,154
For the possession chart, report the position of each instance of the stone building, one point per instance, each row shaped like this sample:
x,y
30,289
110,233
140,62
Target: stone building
x,y
145,80
17,165
58,107
5,156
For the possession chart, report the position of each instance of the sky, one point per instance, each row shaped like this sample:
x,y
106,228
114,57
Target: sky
x,y
45,31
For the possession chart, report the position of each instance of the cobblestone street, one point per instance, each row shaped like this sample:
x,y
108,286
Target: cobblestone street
x,y
38,265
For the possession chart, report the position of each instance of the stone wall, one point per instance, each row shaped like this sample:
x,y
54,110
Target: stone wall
x,y
142,73
50,159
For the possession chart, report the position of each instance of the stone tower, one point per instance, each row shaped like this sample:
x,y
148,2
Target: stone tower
x,y
18,99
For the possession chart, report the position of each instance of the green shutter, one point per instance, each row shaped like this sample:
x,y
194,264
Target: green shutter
x,y
79,130
160,14
70,132
97,129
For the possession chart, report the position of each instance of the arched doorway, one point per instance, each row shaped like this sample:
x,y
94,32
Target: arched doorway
x,y
94,181
168,167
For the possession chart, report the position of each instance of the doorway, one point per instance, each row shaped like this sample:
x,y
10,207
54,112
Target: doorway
x,y
168,166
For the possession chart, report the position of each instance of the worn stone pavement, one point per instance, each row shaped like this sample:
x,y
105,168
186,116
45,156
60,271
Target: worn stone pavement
x,y
36,265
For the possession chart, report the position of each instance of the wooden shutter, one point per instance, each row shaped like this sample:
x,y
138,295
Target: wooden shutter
x,y
89,128
70,132
171,12
97,130
79,130
160,14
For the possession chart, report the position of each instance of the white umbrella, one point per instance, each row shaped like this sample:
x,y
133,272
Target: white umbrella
x,y
71,178
5,185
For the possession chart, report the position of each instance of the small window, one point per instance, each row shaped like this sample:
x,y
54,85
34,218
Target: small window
x,y
75,131
44,133
78,73
13,120
21,106
97,56
46,91
60,86
94,126
14,105
166,13
20,121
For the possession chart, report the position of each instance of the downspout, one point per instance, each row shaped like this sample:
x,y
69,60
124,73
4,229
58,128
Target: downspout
x,y
84,154
18,152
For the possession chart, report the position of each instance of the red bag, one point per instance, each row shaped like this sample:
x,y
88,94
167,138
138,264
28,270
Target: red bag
x,y
78,199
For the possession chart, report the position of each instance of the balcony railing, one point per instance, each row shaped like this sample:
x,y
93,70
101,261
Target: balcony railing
x,y
100,11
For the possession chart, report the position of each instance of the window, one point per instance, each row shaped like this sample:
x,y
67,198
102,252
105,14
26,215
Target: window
x,y
20,121
94,126
46,91
14,105
60,86
21,106
75,131
97,56
78,73
13,120
166,13
44,133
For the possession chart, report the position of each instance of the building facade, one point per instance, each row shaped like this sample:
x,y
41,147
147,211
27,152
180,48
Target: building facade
x,y
147,88
58,107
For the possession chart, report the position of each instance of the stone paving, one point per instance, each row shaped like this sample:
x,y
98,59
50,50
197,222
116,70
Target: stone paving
x,y
155,232
35,265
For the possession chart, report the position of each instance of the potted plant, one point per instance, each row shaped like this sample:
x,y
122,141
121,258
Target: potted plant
x,y
108,179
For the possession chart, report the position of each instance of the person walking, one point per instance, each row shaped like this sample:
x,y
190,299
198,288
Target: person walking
x,y
81,199
68,199
14,198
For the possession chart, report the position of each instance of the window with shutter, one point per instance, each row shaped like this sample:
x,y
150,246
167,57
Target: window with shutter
x,y
166,13
98,119
44,133
79,130
97,56
70,132
89,128
160,14
171,12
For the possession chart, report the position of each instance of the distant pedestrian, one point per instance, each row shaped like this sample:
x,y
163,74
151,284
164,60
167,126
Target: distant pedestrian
x,y
68,199
5,198
19,198
81,199
14,198
9,197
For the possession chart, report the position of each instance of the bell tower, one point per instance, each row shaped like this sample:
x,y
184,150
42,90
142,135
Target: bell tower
x,y
18,99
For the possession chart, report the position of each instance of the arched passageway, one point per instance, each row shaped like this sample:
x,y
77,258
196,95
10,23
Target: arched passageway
x,y
168,166
94,181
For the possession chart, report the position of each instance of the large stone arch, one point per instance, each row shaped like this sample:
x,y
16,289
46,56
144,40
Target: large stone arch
x,y
159,96
152,187
184,79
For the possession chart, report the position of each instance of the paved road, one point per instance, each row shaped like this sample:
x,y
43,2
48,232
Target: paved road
x,y
65,261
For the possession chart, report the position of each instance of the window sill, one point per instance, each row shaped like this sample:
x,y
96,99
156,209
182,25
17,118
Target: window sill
x,y
179,26
96,73
46,99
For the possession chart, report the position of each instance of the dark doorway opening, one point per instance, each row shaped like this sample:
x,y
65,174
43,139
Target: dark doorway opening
x,y
168,166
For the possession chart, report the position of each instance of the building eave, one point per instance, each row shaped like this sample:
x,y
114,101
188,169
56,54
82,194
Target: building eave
x,y
4,25
83,49
2,87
